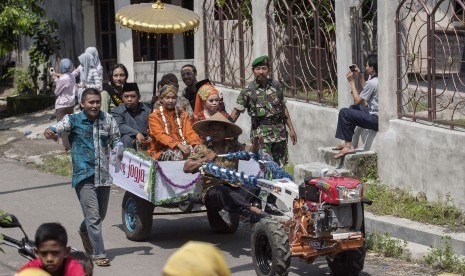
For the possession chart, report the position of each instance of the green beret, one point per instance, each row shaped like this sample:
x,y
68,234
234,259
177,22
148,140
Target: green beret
x,y
261,60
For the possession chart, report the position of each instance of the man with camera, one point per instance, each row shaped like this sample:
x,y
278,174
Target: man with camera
x,y
365,111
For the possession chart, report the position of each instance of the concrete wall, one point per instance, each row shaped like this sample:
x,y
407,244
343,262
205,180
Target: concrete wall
x,y
143,74
424,158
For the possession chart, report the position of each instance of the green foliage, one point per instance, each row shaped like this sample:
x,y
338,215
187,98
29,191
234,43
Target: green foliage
x,y
289,168
387,246
401,203
23,79
58,164
444,258
27,18
4,217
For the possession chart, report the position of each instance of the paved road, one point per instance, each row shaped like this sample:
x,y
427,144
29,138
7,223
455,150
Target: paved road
x,y
36,197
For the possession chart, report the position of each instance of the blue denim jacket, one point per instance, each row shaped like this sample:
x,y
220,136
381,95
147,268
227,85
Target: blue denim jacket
x,y
90,145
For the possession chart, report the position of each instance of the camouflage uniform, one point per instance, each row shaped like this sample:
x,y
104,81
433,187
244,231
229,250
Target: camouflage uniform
x,y
268,119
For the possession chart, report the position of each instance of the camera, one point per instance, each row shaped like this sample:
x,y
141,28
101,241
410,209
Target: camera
x,y
352,68
52,71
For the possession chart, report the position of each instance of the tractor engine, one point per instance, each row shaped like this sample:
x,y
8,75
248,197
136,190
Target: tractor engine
x,y
332,206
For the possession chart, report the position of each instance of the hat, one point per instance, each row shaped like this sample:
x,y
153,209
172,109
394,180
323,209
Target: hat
x,y
231,130
261,60
197,259
130,86
204,89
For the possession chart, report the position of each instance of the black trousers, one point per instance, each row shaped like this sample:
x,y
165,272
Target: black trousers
x,y
354,116
231,199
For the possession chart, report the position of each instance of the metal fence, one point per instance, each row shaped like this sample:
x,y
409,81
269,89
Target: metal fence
x,y
301,37
228,41
301,45
431,61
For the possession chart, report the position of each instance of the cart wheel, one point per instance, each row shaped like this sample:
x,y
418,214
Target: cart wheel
x,y
218,225
271,254
137,216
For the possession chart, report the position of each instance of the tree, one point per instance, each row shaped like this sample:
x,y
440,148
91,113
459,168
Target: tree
x,y
27,18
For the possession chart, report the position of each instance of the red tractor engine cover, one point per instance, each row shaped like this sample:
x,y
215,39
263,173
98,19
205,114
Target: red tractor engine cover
x,y
327,187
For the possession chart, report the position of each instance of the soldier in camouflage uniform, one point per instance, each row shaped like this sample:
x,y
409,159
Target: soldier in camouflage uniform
x,y
265,104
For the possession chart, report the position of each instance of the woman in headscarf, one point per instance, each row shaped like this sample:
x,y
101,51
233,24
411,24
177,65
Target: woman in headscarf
x,y
112,94
207,102
89,76
170,129
94,53
64,91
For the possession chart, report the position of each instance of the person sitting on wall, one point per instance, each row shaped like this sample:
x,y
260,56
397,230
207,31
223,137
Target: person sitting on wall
x,y
171,129
358,114
132,117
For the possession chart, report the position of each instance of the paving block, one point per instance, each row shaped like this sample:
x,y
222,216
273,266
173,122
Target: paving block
x,y
361,164
302,171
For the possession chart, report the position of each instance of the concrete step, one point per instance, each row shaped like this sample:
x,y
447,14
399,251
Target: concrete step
x,y
361,164
314,169
415,232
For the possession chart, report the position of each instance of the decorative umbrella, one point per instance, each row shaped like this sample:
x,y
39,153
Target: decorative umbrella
x,y
157,18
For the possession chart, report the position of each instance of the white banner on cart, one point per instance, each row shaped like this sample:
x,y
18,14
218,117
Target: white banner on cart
x,y
132,174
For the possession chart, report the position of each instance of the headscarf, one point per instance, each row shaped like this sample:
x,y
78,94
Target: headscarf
x,y
166,89
197,259
206,90
66,66
87,62
94,53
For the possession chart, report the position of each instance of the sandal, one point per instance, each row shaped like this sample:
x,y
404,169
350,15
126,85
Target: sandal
x,y
343,152
86,243
102,262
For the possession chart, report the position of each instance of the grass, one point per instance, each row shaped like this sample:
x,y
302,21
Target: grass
x,y
57,164
401,203
444,258
387,246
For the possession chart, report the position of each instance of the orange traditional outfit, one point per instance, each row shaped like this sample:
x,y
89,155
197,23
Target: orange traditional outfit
x,y
163,140
205,89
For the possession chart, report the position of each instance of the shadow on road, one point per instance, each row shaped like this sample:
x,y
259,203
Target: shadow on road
x,y
35,188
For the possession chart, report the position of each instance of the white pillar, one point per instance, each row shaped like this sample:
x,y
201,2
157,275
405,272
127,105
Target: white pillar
x,y
344,50
199,43
124,43
178,39
260,38
387,63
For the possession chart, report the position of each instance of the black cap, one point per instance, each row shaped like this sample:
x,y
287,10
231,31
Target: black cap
x,y
130,86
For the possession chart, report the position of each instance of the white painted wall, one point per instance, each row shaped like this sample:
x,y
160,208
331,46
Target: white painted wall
x,y
124,43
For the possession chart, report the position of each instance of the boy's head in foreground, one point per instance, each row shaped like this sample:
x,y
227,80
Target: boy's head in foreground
x,y
51,246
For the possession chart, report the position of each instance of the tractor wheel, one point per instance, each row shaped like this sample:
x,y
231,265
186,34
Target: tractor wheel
x,y
137,217
347,263
271,254
218,225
